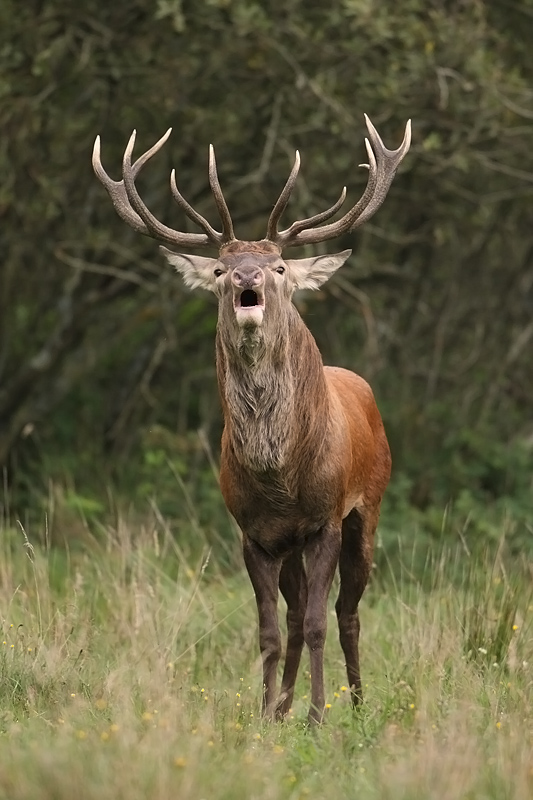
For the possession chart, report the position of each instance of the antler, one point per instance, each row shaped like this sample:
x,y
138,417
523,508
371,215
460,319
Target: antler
x,y
382,167
129,205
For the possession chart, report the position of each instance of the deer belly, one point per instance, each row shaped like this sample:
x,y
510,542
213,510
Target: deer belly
x,y
353,500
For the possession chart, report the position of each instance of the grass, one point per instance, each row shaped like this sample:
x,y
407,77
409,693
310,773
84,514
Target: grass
x,y
129,669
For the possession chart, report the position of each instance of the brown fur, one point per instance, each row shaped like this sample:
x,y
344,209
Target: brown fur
x,y
305,460
304,466
237,246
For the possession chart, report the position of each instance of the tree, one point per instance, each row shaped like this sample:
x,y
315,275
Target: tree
x,y
100,342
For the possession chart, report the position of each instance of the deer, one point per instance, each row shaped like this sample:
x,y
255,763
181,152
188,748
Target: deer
x,y
304,457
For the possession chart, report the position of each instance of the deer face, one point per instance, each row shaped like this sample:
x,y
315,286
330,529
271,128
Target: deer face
x,y
253,286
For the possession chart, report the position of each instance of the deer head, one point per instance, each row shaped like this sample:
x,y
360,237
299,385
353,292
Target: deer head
x,y
251,279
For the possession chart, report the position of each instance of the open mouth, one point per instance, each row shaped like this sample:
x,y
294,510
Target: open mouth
x,y
248,299
249,307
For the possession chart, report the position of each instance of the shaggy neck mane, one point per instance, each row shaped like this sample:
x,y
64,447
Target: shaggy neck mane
x,y
274,397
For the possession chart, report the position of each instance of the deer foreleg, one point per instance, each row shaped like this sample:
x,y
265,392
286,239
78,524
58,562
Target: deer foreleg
x,y
293,586
322,556
264,574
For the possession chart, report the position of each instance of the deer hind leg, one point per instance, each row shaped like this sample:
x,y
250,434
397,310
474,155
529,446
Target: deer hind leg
x,y
293,586
264,574
322,556
355,563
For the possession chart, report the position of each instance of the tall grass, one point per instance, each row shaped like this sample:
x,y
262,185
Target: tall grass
x,y
129,669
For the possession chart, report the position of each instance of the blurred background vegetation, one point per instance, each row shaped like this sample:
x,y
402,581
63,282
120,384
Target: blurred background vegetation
x,y
107,381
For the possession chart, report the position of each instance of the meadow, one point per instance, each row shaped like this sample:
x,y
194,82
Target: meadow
x,y
129,669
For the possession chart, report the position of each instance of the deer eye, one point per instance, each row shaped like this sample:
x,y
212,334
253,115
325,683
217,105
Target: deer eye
x,y
280,270
218,273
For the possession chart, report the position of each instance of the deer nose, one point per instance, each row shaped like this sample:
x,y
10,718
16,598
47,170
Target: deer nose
x,y
247,278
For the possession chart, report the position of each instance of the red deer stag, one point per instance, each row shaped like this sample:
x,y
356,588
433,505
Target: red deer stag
x,y
305,459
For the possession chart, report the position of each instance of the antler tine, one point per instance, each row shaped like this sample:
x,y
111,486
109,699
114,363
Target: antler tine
x,y
283,199
388,163
382,167
117,193
222,208
141,161
192,213
155,228
317,219
128,203
296,234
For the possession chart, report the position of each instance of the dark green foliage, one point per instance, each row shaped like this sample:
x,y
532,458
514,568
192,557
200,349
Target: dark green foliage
x,y
104,355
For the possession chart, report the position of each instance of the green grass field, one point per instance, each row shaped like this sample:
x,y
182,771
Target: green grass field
x,y
130,669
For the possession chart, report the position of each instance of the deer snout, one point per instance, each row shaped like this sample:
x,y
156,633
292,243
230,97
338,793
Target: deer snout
x,y
250,278
248,294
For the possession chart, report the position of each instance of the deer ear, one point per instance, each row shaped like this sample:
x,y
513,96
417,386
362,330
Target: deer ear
x,y
310,273
198,272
